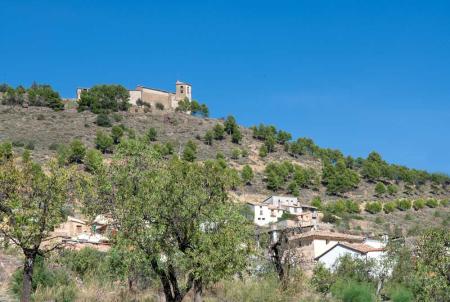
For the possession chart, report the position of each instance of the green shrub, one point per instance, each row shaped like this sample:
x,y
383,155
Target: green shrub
x,y
151,134
374,207
104,98
403,204
190,151
444,202
40,117
77,152
42,277
317,202
117,133
329,217
85,262
389,207
263,151
322,279
103,120
247,175
351,206
117,117
219,132
419,204
244,153
93,160
392,189
432,203
352,291
6,150
401,294
103,142
235,153
159,106
209,137
236,137
380,189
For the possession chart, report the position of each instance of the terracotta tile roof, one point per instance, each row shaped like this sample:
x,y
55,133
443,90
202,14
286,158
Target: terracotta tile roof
x,y
316,234
362,248
359,248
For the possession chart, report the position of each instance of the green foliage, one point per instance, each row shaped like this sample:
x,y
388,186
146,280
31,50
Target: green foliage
x,y
77,152
283,137
43,277
236,137
401,294
340,207
338,178
93,161
444,202
194,107
322,279
403,204
117,133
303,146
317,202
263,151
45,96
247,175
159,106
104,142
104,99
230,125
6,151
277,174
432,203
84,262
30,145
374,207
380,189
419,204
351,291
389,207
151,134
219,132
190,151
235,153
293,189
201,234
209,137
117,117
392,189
103,120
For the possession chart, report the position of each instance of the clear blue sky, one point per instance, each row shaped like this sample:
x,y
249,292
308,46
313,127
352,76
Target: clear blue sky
x,y
353,75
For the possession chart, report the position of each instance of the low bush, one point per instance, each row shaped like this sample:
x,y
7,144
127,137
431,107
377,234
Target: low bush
x,y
77,152
18,143
117,117
93,161
151,134
374,207
43,277
419,204
30,145
103,120
103,142
444,202
389,207
432,203
159,106
352,291
403,204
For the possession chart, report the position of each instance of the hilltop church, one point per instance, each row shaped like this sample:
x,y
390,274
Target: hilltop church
x,y
153,96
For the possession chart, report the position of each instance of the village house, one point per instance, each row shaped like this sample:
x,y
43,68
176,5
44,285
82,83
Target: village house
x,y
271,210
78,233
153,96
363,251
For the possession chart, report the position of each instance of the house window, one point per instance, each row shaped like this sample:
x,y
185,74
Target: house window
x,y
261,212
181,89
264,219
78,229
188,89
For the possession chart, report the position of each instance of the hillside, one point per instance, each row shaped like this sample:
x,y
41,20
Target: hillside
x,y
43,129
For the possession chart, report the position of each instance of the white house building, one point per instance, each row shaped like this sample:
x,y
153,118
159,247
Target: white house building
x,y
272,209
340,249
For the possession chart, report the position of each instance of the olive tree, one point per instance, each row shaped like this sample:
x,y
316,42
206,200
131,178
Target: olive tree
x,y
176,213
32,202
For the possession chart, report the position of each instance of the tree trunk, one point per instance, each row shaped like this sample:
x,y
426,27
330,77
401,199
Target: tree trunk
x,y
198,291
28,267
